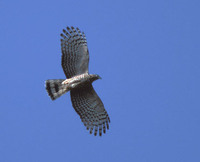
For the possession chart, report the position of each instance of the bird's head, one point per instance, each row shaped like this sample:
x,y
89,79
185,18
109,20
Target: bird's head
x,y
95,77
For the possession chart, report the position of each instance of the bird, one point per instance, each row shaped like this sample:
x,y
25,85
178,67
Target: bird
x,y
85,101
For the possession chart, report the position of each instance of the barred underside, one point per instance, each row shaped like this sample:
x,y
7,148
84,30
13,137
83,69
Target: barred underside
x,y
55,88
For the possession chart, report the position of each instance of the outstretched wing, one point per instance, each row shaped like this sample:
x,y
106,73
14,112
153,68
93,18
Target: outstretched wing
x,y
90,108
75,55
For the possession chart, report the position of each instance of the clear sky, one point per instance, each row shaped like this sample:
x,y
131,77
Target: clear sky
x,y
148,55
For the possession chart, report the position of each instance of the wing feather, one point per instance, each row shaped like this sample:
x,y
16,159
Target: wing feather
x,y
90,108
75,55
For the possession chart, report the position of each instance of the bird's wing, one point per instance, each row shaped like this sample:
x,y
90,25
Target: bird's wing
x,y
75,55
90,108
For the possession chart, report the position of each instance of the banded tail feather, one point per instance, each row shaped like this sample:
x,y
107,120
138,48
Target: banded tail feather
x,y
55,88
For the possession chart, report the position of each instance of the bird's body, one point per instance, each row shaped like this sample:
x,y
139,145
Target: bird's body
x,y
75,59
80,80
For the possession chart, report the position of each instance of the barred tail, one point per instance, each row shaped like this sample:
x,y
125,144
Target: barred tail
x,y
55,88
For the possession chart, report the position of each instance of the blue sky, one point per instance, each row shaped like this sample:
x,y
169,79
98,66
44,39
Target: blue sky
x,y
147,53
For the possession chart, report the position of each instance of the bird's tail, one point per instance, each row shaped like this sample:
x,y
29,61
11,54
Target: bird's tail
x,y
55,88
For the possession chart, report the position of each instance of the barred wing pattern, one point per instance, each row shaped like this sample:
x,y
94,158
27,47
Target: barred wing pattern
x,y
75,55
90,108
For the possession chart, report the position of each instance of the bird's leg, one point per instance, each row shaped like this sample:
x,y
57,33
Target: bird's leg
x,y
72,80
67,81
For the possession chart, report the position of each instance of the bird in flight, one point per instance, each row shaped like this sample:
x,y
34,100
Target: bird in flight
x,y
86,102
